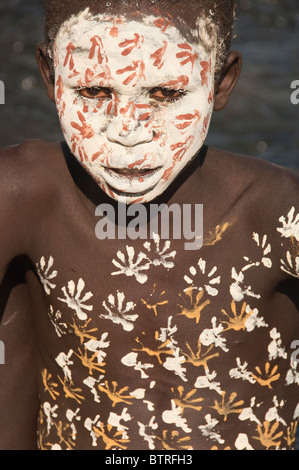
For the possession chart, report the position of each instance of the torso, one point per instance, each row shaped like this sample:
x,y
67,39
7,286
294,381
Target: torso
x,y
145,345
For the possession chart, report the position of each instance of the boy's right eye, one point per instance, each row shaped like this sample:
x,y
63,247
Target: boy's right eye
x,y
95,93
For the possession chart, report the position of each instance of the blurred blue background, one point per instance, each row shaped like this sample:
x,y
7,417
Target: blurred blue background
x,y
260,119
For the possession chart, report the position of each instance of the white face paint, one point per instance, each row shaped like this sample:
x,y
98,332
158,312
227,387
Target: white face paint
x,y
134,100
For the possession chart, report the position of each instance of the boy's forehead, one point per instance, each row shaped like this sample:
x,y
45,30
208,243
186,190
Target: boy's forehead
x,y
202,33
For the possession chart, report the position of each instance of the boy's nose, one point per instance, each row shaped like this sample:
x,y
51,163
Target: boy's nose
x,y
128,127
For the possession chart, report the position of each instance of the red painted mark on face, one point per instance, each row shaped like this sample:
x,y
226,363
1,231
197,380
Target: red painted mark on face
x,y
69,56
104,76
182,148
180,82
206,70
81,151
59,88
61,105
187,55
113,30
132,108
138,162
83,154
206,122
97,44
131,44
188,119
144,116
137,200
96,155
88,77
167,173
137,67
61,109
112,107
85,129
75,73
162,24
158,56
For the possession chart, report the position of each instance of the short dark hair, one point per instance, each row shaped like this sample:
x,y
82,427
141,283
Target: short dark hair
x,y
220,12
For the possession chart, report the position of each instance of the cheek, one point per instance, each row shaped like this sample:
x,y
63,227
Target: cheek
x,y
186,135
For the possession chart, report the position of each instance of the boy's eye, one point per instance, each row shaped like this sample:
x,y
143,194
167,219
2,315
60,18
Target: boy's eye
x,y
166,94
95,93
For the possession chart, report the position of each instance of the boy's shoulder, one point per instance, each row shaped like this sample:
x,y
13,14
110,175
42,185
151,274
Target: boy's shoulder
x,y
265,198
266,183
30,169
20,160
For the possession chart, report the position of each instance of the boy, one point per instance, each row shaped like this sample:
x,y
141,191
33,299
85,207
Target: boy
x,y
143,343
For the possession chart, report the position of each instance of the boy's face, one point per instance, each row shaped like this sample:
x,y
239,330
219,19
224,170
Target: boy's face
x,y
134,99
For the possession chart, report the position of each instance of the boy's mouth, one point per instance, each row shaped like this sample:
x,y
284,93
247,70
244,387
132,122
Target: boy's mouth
x,y
132,173
132,181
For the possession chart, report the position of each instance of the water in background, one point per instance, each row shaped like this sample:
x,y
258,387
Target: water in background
x,y
260,119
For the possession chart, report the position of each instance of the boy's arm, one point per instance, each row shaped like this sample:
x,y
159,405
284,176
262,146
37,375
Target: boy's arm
x,y
18,397
18,388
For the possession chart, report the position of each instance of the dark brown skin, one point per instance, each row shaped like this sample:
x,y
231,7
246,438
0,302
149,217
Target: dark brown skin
x,y
49,209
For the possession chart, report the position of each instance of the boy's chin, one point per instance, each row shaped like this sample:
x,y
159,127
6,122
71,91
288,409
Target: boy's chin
x,y
135,197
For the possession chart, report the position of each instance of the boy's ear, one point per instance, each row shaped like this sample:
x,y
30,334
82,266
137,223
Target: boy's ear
x,y
42,62
229,78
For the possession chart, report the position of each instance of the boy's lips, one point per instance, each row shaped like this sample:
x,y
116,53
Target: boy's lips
x,y
133,172
132,180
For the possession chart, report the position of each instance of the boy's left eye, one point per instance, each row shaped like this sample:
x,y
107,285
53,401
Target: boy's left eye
x,y
95,93
166,94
